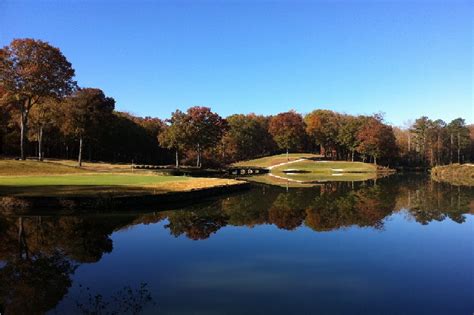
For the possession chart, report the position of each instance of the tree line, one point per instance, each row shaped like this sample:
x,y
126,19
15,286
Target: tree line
x,y
44,112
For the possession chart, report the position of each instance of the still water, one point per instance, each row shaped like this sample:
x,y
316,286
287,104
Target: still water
x,y
401,245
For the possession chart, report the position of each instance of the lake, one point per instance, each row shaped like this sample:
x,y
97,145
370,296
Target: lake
x,y
398,245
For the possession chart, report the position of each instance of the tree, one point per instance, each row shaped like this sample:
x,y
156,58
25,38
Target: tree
x,y
459,137
247,137
322,126
205,129
376,139
84,112
420,130
175,133
347,133
31,70
288,130
42,118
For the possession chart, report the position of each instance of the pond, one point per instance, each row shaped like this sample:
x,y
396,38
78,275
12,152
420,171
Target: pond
x,y
398,245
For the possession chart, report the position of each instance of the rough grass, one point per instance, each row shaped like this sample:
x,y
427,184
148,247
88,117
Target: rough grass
x,y
456,174
25,168
276,159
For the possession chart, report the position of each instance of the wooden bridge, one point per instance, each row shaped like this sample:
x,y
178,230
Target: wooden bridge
x,y
246,171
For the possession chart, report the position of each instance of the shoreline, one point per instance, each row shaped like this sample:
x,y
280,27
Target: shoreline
x,y
104,202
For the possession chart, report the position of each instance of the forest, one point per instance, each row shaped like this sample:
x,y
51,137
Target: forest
x,y
44,113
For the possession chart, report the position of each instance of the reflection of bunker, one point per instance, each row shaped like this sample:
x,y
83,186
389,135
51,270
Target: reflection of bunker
x,y
295,171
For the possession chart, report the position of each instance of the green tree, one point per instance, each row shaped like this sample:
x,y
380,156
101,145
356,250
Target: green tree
x,y
85,113
247,137
458,137
43,118
347,133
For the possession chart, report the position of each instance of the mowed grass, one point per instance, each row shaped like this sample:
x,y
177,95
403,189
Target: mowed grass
x,y
276,159
32,178
88,179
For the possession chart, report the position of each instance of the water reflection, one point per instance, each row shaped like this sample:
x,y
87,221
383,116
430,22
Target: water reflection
x,y
40,254
327,207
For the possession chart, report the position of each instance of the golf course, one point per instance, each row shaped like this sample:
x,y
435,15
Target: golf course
x,y
59,179
305,169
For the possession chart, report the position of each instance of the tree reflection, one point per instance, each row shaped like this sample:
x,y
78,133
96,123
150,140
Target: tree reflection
x,y
35,284
326,207
197,224
40,254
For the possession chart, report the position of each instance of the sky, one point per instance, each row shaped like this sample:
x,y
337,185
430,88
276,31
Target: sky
x,y
403,58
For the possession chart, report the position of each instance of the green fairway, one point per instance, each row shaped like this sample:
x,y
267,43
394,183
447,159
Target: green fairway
x,y
33,178
88,180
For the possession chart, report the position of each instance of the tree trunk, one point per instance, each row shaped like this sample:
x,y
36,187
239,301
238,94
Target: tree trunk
x,y
287,155
25,109
198,159
352,156
451,149
23,131
375,160
177,159
40,143
459,148
79,159
431,156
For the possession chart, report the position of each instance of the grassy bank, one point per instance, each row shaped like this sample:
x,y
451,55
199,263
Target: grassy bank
x,y
456,174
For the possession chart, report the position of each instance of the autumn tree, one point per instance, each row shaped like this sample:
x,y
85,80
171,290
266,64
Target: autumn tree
x,y
322,126
376,139
83,114
31,70
175,134
288,130
204,129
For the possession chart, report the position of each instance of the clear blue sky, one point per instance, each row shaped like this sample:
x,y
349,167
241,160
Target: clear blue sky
x,y
404,58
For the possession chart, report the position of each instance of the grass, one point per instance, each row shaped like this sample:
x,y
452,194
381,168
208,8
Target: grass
x,y
35,168
456,174
33,178
276,159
